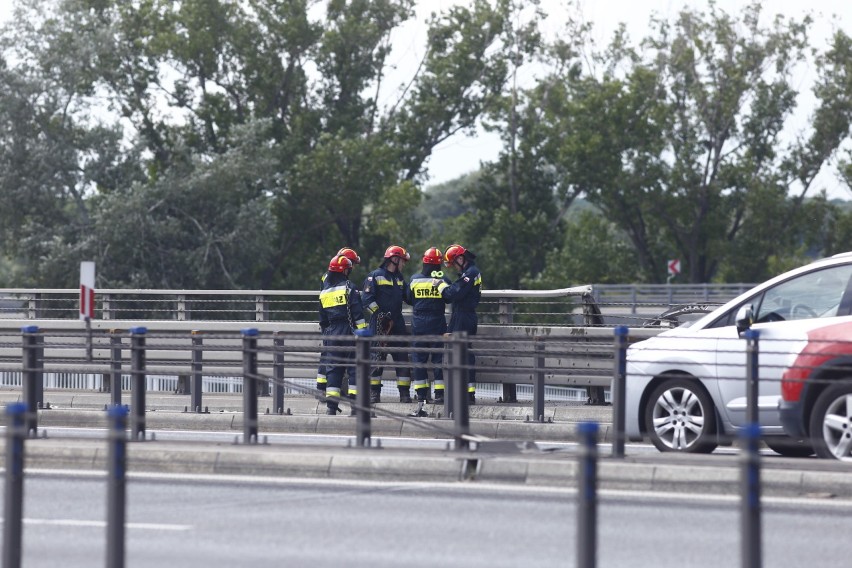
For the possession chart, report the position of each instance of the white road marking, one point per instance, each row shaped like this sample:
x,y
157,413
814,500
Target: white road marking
x,y
102,524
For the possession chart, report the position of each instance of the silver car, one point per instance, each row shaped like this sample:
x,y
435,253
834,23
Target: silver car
x,y
686,387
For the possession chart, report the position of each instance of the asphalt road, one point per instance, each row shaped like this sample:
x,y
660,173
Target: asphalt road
x,y
207,521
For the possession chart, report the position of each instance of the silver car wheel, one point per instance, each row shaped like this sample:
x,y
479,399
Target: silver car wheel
x,y
837,427
678,418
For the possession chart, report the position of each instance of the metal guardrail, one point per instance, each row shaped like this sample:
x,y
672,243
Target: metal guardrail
x,y
573,357
619,304
639,298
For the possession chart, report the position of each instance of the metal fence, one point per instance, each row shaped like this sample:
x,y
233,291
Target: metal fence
x,y
534,359
618,304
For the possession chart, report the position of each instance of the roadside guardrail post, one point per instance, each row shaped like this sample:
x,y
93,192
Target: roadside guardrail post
x,y
39,382
196,371
137,382
278,374
116,485
249,385
507,316
363,426
115,368
750,511
449,394
619,384
30,377
458,378
13,502
587,495
538,380
752,337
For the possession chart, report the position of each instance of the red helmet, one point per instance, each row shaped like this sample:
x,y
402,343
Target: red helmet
x,y
339,263
396,250
350,254
432,256
453,252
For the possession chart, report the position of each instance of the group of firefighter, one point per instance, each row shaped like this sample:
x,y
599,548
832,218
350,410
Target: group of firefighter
x,y
376,310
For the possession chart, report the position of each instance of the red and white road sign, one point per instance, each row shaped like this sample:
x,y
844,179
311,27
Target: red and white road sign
x,y
674,267
87,290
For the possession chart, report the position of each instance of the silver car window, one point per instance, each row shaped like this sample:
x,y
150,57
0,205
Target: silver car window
x,y
815,294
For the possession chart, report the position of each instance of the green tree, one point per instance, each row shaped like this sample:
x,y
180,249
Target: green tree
x,y
680,144
206,87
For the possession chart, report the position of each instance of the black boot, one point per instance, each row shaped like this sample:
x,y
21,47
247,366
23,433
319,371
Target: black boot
x,y
423,395
332,408
375,395
471,398
404,395
439,396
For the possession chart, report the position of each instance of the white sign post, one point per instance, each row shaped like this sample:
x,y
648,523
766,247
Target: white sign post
x,y
673,269
87,290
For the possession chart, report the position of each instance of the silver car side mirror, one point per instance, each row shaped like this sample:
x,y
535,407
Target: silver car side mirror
x,y
745,317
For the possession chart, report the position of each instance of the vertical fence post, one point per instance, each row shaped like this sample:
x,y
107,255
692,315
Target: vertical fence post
x,y
30,377
195,377
278,374
750,511
618,391
181,307
449,379
458,378
538,379
115,368
363,427
587,498
752,391
116,485
13,504
249,385
39,375
137,382
506,311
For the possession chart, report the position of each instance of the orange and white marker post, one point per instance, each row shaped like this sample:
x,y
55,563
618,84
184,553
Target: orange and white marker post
x,y
87,290
87,301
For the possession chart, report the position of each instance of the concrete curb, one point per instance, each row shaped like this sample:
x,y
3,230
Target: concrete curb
x,y
719,476
381,426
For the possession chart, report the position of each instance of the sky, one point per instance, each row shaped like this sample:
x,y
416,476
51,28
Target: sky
x,y
462,154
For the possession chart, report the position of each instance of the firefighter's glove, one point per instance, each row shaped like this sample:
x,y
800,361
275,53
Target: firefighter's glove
x,y
365,332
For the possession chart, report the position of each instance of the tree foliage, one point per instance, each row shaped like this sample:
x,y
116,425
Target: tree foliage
x,y
235,108
679,144
233,143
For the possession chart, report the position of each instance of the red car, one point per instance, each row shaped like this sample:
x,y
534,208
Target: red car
x,y
816,392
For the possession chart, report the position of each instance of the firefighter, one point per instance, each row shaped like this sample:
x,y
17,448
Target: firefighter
x,y
428,319
464,296
341,314
384,293
322,380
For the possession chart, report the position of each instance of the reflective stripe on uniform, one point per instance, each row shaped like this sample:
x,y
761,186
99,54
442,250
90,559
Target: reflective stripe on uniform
x,y
422,288
382,281
334,296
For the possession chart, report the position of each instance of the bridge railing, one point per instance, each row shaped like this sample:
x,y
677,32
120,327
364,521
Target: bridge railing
x,y
573,356
619,304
